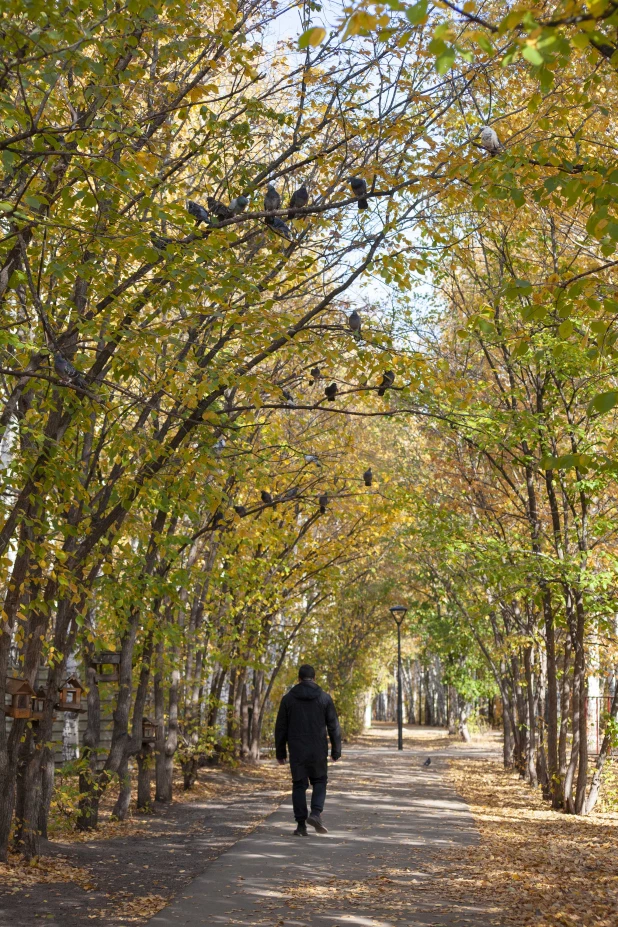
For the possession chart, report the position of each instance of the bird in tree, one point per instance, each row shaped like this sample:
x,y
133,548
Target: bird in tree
x,y
388,378
272,200
323,502
198,212
68,373
279,226
288,397
330,392
219,210
312,458
218,447
354,321
315,373
240,510
290,493
368,476
238,205
359,189
161,241
490,141
266,497
298,200
427,762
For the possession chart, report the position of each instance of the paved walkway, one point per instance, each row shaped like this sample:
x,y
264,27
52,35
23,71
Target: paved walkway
x,y
389,820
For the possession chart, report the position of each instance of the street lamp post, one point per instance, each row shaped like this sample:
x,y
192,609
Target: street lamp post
x,y
399,613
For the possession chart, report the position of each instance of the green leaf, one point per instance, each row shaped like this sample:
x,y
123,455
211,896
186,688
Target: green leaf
x,y
313,37
418,13
566,329
532,55
445,61
603,402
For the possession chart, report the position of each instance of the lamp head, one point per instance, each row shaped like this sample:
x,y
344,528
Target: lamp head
x,y
398,612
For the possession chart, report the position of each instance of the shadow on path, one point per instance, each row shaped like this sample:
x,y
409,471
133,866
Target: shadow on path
x,y
388,816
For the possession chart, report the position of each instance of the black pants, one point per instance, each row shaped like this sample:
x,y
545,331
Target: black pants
x,y
299,796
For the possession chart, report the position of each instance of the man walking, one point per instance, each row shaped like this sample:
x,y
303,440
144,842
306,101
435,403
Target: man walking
x,y
305,715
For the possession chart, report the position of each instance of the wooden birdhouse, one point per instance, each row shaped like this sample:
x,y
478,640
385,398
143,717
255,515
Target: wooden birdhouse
x,y
38,705
149,731
18,698
107,665
70,695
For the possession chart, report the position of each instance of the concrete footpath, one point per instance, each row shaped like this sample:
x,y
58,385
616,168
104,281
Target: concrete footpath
x,y
389,821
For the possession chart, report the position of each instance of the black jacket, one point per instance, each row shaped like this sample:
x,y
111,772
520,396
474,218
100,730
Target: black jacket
x,y
305,714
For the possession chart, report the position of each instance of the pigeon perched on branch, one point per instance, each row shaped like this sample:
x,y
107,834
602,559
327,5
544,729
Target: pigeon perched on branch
x,y
330,392
298,200
290,493
279,226
161,241
198,212
272,200
388,378
490,141
218,447
240,510
266,497
368,477
359,189
354,321
219,210
323,502
315,373
238,205
312,458
67,372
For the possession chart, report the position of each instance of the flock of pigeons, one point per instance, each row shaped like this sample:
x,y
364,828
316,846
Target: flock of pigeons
x,y
218,212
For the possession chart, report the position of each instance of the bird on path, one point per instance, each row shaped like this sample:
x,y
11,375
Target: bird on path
x,y
330,392
388,378
427,762
490,141
279,226
266,497
298,200
240,510
67,372
315,373
238,205
198,212
272,200
368,477
359,189
323,502
354,322
312,458
219,210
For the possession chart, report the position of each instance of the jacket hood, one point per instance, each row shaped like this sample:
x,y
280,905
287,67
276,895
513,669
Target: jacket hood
x,y
306,690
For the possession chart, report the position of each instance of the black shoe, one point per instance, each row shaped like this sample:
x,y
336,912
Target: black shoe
x,y
316,821
301,829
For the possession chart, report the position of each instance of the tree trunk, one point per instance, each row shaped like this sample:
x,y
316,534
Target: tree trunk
x,y
88,814
144,777
123,802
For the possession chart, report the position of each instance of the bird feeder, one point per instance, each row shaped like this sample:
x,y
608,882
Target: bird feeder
x,y
70,695
149,731
18,698
38,705
107,665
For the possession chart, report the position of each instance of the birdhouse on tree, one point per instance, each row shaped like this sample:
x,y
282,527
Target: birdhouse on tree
x,y
107,665
70,695
18,698
38,704
149,731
